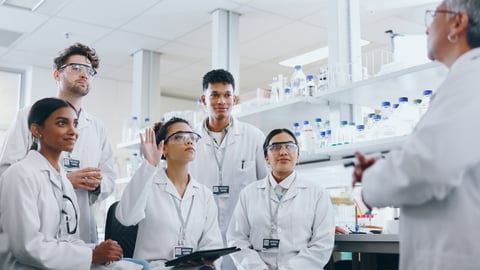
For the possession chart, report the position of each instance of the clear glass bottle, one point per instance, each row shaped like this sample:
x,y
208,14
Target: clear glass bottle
x,y
426,97
133,129
309,141
298,81
311,88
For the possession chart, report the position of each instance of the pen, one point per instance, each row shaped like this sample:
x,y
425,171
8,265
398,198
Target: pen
x,y
243,163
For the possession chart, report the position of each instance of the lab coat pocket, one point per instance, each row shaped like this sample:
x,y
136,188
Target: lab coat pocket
x,y
245,169
302,225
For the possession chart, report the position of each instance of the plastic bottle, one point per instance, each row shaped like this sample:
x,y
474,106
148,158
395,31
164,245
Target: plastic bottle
x,y
322,82
298,134
405,117
286,94
318,127
133,163
309,141
298,81
274,94
311,88
360,134
385,126
146,124
427,96
133,129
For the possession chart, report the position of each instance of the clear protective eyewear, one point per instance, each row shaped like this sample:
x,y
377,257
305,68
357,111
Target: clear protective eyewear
x,y
290,147
79,68
69,215
431,14
181,137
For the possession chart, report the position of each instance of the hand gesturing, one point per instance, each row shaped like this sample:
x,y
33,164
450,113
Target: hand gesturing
x,y
151,151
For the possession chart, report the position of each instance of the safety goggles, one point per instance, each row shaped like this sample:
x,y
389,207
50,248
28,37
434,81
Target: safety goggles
x,y
181,137
79,68
289,147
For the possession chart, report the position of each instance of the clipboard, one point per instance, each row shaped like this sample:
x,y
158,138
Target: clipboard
x,y
210,254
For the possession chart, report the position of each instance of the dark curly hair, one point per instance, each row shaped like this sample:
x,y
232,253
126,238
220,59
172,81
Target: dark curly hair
x,y
218,76
76,49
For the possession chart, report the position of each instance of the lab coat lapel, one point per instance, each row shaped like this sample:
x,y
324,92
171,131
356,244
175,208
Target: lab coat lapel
x,y
294,189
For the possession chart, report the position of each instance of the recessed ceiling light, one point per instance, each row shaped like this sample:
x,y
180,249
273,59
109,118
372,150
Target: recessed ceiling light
x,y
313,56
31,5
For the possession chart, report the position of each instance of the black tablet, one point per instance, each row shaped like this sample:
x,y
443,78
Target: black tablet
x,y
197,256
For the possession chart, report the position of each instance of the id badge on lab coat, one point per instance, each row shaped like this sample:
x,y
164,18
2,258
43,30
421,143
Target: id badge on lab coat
x,y
70,163
222,191
270,243
181,251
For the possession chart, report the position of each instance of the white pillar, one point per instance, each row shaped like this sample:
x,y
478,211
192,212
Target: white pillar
x,y
225,43
345,58
145,83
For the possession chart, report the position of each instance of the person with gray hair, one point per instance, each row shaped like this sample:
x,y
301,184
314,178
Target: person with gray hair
x,y
434,177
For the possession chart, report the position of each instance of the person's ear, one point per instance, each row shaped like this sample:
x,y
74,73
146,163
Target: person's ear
x,y
36,131
235,99
204,100
56,75
267,160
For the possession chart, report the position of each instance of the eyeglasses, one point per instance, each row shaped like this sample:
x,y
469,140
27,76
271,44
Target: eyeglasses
x,y
431,14
181,137
289,147
69,215
79,68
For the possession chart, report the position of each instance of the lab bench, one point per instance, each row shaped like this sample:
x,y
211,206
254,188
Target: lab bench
x,y
369,251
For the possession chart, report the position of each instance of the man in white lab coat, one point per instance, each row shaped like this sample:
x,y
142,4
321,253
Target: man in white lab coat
x,y
434,177
229,155
89,165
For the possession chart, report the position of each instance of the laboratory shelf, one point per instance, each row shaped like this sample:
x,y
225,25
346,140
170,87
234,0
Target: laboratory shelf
x,y
409,82
347,152
283,114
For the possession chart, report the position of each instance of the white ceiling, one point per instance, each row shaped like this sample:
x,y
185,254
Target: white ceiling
x,y
270,31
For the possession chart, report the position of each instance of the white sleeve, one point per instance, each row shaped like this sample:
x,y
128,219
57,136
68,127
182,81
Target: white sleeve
x,y
133,204
21,220
108,173
238,235
17,141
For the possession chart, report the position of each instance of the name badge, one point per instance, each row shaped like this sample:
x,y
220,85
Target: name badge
x,y
182,251
70,163
221,190
271,243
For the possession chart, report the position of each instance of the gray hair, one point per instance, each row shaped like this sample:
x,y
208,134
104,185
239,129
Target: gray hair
x,y
472,8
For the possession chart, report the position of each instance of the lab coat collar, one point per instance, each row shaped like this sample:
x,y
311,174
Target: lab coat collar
x,y
40,163
293,183
84,119
192,187
473,54
232,134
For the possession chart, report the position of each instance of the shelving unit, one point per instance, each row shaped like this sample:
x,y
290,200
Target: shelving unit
x,y
408,82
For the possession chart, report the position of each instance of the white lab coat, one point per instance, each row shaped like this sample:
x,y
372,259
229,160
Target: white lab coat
x,y
149,201
92,149
306,227
434,177
30,205
244,163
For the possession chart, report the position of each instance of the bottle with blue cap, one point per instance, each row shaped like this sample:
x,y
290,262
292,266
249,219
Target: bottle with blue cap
x,y
426,97
298,81
311,88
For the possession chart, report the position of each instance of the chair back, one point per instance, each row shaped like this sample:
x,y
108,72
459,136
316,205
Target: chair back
x,y
126,236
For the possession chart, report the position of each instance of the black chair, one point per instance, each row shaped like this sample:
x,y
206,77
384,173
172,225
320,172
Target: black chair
x,y
126,236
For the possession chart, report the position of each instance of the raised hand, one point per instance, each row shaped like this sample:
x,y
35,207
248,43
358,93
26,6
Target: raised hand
x,y
151,151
